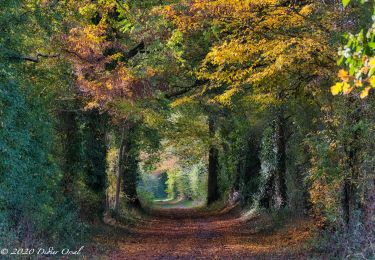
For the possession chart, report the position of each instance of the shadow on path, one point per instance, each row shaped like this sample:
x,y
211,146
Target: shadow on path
x,y
178,233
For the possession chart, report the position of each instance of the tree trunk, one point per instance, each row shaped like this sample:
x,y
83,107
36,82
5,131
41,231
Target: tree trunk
x,y
212,192
266,200
70,148
130,170
95,153
346,202
351,196
350,203
119,170
280,178
351,199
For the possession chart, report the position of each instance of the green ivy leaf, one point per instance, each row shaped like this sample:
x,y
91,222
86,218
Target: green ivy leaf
x,y
372,71
340,61
345,2
371,45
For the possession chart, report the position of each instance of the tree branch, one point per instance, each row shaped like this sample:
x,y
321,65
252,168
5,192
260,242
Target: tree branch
x,y
316,22
76,54
137,49
183,91
35,59
126,55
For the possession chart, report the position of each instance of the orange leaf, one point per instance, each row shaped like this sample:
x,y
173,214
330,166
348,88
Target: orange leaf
x,y
346,88
365,92
344,75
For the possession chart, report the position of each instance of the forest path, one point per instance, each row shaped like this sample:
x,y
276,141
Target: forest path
x,y
191,234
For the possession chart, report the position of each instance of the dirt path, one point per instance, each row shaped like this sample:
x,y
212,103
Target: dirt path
x,y
181,234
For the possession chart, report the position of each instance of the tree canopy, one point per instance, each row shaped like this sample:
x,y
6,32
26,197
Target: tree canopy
x,y
110,106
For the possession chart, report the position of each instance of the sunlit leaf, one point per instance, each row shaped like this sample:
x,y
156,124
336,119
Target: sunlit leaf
x,y
344,75
345,2
358,83
337,88
372,81
346,88
365,92
371,62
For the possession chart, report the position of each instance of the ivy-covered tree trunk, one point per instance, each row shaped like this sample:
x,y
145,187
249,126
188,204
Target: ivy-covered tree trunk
x,y
119,169
249,171
70,139
280,180
95,153
212,192
266,200
127,167
130,167
273,156
268,166
351,197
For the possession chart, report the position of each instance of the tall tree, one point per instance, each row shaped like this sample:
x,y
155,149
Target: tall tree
x,y
213,157
95,152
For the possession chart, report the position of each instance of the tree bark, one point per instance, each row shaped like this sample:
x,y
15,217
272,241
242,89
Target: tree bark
x,y
212,192
280,179
346,202
95,152
119,170
351,196
35,59
267,198
70,147
130,168
351,200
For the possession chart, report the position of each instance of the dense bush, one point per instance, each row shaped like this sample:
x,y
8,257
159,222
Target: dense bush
x,y
32,209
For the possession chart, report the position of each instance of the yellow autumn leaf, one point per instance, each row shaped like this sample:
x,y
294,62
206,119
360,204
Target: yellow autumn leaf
x,y
365,70
344,75
181,101
358,83
109,86
365,92
337,88
91,105
346,88
372,81
371,62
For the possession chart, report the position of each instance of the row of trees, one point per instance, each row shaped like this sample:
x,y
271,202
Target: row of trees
x,y
244,86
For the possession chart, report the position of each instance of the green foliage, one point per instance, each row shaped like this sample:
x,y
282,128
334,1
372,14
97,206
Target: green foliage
x,y
339,243
341,153
146,197
250,68
187,183
152,184
40,161
177,184
30,203
358,57
346,2
94,156
268,157
198,182
186,133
